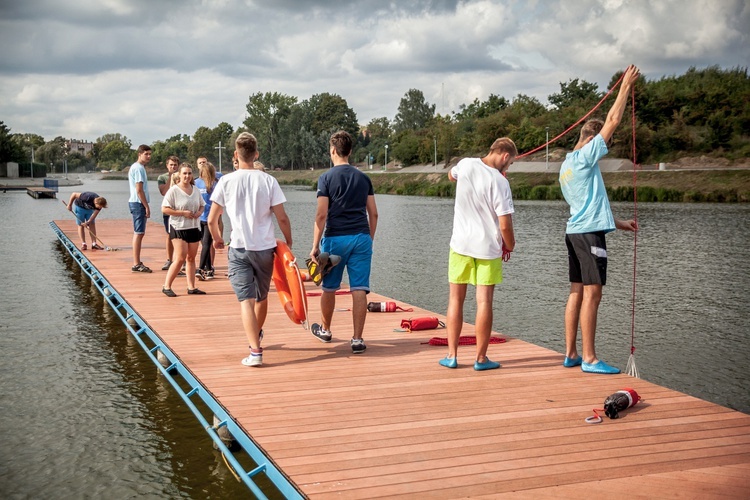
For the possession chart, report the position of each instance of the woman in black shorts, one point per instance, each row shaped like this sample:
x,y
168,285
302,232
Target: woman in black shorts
x,y
184,205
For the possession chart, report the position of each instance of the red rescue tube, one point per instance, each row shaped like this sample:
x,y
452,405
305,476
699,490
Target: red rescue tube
x,y
288,282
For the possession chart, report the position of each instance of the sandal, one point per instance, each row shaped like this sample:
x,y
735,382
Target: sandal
x,y
196,291
168,292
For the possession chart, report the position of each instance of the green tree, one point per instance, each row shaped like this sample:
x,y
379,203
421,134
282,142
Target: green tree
x,y
112,152
10,149
331,112
206,142
265,113
379,128
414,112
177,145
575,93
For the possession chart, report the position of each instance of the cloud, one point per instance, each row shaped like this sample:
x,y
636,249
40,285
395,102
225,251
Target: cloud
x,y
151,70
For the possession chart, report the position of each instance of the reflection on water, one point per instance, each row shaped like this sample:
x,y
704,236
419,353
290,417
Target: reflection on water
x,y
85,412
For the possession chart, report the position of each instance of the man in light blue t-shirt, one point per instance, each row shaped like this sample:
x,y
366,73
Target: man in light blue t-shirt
x,y
590,219
138,203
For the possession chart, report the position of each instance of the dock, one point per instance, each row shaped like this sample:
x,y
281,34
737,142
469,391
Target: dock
x,y
41,192
320,422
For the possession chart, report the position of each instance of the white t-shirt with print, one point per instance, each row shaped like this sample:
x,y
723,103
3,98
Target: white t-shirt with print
x,y
177,199
482,195
247,196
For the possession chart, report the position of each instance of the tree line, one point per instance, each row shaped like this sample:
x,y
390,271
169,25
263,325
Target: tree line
x,y
702,112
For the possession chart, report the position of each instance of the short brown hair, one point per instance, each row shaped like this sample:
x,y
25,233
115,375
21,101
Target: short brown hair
x,y
143,148
591,128
246,146
174,159
505,145
100,201
342,142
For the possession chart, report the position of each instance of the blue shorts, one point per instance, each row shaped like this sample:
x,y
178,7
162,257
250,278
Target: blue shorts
x,y
250,272
355,251
139,217
82,214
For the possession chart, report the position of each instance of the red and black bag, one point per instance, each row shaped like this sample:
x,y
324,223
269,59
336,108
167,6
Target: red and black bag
x,y
422,323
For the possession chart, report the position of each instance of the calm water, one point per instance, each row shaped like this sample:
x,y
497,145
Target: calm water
x,y
84,413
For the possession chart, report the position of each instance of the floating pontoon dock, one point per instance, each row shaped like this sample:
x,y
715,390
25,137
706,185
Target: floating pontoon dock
x,y
320,422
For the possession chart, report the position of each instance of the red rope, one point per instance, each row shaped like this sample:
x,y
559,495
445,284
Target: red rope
x,y
576,123
635,217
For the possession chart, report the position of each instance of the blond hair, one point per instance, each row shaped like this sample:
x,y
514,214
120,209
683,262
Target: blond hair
x,y
505,145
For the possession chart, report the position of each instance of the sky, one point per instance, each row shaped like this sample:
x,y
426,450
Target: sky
x,y
152,69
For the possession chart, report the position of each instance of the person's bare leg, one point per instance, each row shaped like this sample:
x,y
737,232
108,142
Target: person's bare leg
x,y
261,311
137,239
572,315
483,323
455,316
250,323
359,312
82,233
592,296
192,251
327,304
180,249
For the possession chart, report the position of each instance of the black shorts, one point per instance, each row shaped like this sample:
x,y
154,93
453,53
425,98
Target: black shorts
x,y
587,258
188,235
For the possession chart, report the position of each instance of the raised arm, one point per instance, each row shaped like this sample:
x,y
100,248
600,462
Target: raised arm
x,y
618,108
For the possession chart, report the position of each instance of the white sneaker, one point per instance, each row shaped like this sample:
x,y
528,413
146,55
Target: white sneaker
x,y
255,359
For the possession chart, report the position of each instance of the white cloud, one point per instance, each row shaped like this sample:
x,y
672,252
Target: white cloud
x,y
151,70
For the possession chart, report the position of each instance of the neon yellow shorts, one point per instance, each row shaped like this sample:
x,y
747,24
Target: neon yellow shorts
x,y
465,270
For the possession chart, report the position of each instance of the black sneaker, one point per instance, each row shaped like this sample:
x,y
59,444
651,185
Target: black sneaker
x,y
140,268
165,267
320,333
358,346
210,275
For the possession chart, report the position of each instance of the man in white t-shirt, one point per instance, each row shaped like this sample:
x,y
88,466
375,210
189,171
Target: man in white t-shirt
x,y
482,238
251,199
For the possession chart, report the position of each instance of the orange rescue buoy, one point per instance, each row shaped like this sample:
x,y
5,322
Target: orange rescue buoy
x,y
288,281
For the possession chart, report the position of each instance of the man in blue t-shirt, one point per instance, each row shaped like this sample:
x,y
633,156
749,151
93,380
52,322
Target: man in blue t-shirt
x,y
590,219
347,211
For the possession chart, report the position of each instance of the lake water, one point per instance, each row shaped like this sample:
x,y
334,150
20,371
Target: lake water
x,y
85,413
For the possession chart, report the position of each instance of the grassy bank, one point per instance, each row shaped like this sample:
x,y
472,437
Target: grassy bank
x,y
679,186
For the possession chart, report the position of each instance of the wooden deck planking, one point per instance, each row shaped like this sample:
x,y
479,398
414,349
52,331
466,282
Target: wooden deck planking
x,y
392,422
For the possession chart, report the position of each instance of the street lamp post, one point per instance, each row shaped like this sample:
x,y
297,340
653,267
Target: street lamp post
x,y
220,147
546,156
435,142
32,162
385,166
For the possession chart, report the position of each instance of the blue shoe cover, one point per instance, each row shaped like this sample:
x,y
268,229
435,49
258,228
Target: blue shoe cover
x,y
599,367
487,365
449,362
570,363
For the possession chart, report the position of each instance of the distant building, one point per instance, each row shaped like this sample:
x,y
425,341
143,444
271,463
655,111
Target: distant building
x,y
83,147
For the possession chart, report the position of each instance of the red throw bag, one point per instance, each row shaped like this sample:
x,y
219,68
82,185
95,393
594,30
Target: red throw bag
x,y
423,323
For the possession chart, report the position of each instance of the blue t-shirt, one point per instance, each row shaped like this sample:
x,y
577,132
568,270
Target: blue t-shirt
x,y
347,190
137,173
583,188
201,185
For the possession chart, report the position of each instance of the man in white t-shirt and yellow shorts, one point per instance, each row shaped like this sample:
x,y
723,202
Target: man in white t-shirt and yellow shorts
x,y
482,236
